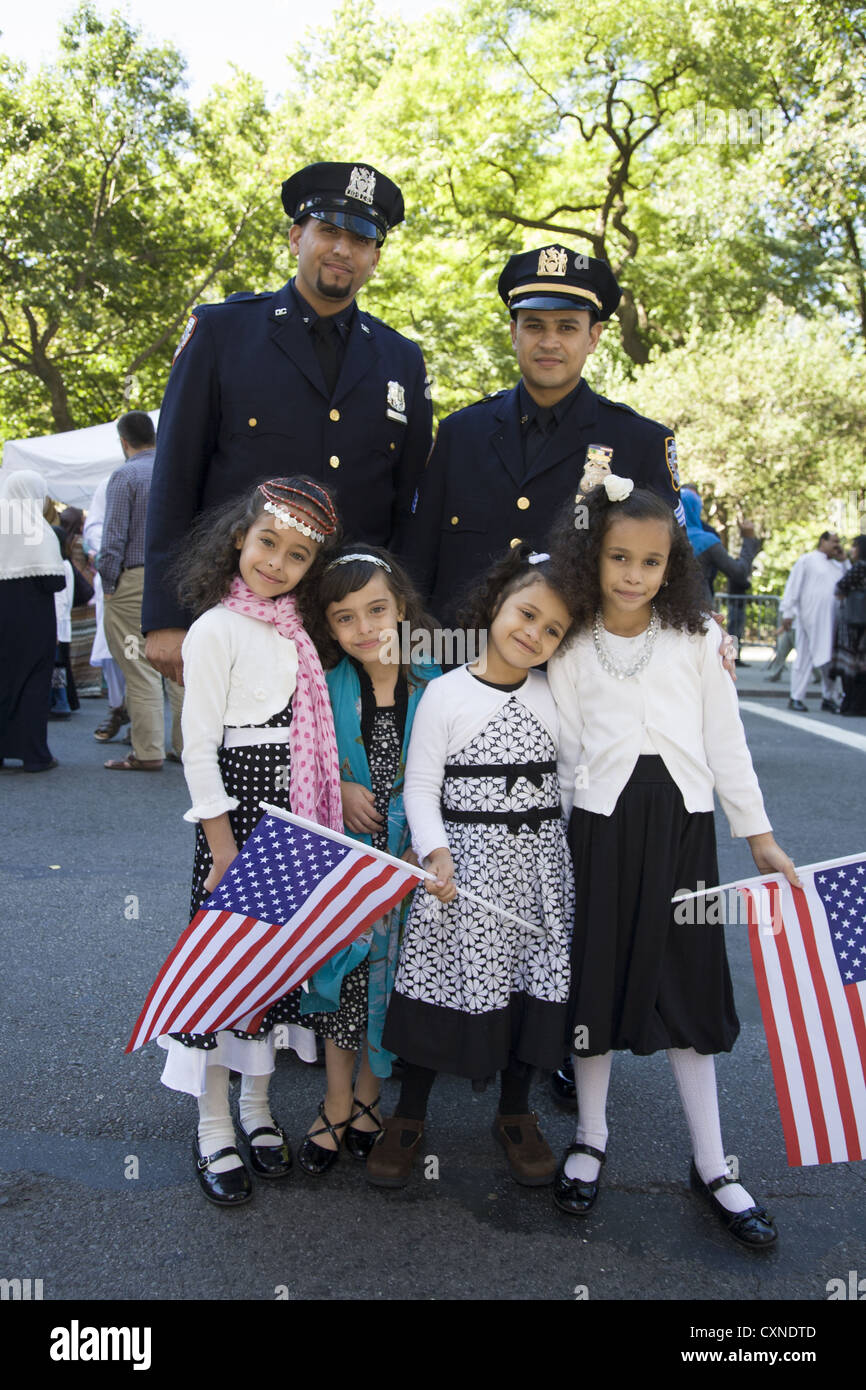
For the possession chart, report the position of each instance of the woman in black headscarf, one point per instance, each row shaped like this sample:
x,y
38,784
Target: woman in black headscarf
x,y
31,572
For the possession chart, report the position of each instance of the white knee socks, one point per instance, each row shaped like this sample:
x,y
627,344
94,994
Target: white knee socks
x,y
695,1075
215,1128
254,1109
592,1078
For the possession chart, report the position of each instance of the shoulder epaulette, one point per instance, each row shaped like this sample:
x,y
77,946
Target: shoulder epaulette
x,y
492,396
621,405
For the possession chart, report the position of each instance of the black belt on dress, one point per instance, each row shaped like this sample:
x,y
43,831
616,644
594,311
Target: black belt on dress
x,y
512,772
531,817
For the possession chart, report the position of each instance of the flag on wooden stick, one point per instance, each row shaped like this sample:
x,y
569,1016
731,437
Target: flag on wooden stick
x,y
295,895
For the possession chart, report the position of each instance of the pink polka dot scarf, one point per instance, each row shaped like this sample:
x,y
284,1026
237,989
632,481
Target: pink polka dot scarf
x,y
314,789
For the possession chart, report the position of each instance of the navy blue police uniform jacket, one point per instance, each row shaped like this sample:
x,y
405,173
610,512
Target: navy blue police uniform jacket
x,y
246,400
476,500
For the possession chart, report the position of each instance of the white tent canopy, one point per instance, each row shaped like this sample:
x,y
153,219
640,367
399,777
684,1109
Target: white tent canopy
x,y
73,464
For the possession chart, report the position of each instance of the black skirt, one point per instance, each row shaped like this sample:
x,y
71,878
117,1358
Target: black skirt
x,y
641,981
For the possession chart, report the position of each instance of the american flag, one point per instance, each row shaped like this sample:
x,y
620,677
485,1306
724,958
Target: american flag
x,y
809,956
294,896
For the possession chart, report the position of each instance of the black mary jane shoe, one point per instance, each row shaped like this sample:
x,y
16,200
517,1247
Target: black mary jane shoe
x,y
753,1227
225,1189
268,1160
562,1086
312,1157
576,1196
359,1142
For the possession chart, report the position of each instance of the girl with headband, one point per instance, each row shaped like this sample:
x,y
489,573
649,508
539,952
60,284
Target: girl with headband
x,y
255,709
366,604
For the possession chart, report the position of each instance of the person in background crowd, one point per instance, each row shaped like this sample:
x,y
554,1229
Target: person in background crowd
x,y
849,650
121,564
809,600
31,573
713,557
64,698
100,656
302,374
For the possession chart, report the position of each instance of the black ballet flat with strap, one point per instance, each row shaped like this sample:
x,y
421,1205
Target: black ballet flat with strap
x,y
268,1160
576,1196
224,1189
753,1227
312,1157
359,1142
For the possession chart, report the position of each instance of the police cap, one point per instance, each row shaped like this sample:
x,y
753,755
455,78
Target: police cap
x,y
355,196
556,278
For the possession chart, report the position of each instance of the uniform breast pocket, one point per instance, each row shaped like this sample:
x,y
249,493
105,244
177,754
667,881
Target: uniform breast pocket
x,y
248,427
465,514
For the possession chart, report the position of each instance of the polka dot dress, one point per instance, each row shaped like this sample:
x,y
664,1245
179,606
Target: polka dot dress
x,y
259,772
347,1025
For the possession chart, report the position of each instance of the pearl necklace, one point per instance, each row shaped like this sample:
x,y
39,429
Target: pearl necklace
x,y
607,662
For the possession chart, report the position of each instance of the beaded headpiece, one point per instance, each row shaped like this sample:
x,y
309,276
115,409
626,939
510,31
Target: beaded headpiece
x,y
290,504
370,559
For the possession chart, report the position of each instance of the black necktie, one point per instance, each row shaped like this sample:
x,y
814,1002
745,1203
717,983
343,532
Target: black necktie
x,y
327,345
539,431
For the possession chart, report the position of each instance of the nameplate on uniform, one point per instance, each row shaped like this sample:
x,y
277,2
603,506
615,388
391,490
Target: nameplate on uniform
x,y
395,415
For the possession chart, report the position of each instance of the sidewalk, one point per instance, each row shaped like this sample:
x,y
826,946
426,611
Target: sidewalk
x,y
751,676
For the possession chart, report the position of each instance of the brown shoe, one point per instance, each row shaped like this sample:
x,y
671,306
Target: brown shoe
x,y
529,1155
133,764
390,1160
111,724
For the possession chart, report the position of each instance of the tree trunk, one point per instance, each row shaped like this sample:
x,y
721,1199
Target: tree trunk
x,y
630,325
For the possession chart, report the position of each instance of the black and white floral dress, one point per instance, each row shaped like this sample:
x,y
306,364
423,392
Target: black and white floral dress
x,y
473,987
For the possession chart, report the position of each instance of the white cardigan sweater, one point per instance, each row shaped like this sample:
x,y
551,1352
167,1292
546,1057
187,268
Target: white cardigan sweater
x,y
683,705
237,670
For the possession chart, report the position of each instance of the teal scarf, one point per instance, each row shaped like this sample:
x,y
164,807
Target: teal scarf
x,y
344,688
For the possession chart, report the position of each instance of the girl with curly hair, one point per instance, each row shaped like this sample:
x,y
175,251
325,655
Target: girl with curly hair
x,y
257,725
649,726
477,993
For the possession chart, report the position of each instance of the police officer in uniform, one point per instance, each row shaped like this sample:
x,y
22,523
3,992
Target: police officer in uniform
x,y
297,381
501,469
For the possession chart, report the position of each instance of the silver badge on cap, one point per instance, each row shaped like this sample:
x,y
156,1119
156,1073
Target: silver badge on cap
x,y
396,402
552,260
362,185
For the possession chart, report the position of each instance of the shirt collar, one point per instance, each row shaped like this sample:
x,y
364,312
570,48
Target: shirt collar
x,y
341,321
529,408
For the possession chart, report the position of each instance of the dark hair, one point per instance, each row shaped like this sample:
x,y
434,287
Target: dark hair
x,y
824,536
340,579
575,547
72,521
860,543
136,428
511,572
63,538
203,572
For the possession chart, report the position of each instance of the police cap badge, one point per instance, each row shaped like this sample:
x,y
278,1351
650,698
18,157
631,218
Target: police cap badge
x,y
555,278
355,196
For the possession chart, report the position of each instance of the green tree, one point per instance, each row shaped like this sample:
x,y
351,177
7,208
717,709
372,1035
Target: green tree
x,y
118,211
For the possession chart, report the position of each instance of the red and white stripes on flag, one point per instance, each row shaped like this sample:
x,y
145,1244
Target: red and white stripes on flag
x,y
295,895
809,957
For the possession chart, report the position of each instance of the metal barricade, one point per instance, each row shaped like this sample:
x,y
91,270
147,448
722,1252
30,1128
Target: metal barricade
x,y
752,618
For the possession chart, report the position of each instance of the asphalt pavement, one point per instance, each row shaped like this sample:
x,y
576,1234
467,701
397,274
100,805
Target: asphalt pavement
x,y
98,1198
